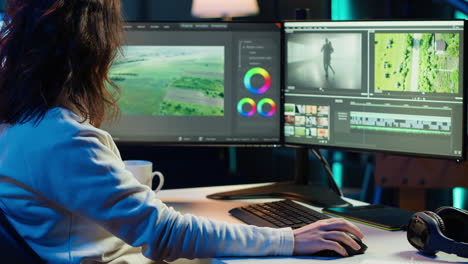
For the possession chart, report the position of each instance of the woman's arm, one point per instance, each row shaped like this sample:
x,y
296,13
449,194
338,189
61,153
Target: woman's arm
x,y
89,179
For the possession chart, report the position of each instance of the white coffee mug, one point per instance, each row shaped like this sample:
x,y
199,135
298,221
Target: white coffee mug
x,y
143,172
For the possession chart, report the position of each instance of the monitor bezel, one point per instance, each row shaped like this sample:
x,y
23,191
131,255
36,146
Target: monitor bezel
x,y
375,151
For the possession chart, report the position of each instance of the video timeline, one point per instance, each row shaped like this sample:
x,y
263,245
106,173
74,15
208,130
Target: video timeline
x,y
414,124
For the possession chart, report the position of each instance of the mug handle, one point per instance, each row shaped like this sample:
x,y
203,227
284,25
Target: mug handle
x,y
161,180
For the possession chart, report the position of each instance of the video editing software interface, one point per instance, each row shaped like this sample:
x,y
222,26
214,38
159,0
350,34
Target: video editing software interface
x,y
386,86
199,82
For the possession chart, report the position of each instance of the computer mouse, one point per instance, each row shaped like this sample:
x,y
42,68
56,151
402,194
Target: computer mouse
x,y
351,252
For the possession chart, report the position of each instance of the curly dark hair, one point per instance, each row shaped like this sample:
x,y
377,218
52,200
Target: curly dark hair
x,y
57,53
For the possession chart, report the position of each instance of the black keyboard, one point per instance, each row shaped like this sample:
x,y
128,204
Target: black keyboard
x,y
285,213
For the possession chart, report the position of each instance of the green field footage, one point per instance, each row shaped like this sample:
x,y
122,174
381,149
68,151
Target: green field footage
x,y
417,62
170,80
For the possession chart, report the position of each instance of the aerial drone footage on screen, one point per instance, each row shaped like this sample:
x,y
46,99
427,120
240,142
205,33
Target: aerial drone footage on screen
x,y
189,80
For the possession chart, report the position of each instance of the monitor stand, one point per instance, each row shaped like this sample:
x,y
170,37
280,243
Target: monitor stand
x,y
299,189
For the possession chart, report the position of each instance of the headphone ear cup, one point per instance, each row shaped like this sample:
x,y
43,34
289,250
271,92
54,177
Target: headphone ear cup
x,y
439,221
456,223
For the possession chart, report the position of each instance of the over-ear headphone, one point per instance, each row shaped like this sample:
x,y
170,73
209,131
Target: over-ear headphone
x,y
445,229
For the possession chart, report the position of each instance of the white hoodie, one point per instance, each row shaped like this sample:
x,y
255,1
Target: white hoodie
x,y
64,188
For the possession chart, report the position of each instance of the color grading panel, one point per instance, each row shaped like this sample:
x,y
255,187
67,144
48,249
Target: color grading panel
x,y
199,83
260,87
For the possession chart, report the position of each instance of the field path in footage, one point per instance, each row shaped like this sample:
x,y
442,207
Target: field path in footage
x,y
192,97
415,64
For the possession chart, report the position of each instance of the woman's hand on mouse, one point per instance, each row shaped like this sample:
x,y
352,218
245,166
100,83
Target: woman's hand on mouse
x,y
326,235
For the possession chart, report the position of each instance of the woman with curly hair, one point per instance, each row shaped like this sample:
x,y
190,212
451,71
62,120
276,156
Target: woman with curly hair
x,y
63,185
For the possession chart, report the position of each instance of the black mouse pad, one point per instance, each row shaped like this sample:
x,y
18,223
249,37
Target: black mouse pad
x,y
381,216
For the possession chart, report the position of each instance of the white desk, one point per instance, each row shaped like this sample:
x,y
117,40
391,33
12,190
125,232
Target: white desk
x,y
384,247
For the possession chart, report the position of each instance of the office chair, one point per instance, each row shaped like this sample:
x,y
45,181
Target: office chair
x,y
13,248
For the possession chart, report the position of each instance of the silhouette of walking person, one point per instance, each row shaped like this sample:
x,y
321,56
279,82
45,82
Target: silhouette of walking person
x,y
327,50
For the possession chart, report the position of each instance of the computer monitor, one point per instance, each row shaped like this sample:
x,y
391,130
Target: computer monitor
x,y
381,86
385,86
199,83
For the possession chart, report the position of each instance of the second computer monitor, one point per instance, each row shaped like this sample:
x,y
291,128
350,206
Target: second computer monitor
x,y
199,83
391,86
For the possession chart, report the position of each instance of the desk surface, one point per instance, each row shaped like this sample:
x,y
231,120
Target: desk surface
x,y
384,247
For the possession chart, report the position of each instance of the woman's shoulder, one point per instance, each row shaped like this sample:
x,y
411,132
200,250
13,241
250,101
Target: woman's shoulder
x,y
65,123
58,125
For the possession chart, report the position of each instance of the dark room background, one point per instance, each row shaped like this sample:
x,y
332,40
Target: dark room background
x,y
206,166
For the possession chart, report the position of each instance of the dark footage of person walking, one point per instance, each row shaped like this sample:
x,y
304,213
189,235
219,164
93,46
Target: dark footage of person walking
x,y
327,50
